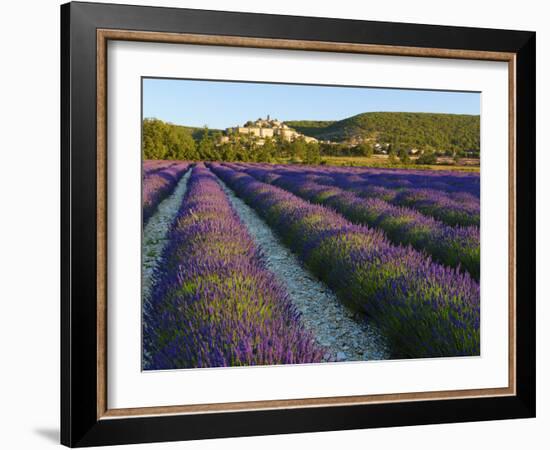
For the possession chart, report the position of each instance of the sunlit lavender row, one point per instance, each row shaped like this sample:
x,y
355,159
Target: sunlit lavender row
x,y
158,182
459,207
450,198
452,182
452,246
215,304
424,309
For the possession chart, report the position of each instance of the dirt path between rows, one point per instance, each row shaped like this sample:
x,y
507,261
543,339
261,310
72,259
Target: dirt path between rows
x,y
154,236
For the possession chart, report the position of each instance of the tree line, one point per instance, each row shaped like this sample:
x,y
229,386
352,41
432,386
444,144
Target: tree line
x,y
162,140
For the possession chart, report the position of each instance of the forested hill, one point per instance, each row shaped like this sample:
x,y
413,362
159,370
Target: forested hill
x,y
420,130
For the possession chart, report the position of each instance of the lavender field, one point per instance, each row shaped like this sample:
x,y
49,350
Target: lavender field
x,y
262,264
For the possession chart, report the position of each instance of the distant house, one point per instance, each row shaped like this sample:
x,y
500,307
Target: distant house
x,y
379,148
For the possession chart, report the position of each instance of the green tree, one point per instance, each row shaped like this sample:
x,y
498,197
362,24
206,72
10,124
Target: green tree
x,y
267,151
206,149
428,157
167,141
228,151
365,149
154,146
180,144
312,153
404,155
298,149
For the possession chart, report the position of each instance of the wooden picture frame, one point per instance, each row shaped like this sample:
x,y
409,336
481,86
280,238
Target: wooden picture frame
x,y
85,417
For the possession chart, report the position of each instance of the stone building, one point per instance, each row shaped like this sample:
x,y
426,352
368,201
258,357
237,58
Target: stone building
x,y
268,128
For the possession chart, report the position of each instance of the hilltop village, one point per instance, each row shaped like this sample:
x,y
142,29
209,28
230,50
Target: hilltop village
x,y
261,129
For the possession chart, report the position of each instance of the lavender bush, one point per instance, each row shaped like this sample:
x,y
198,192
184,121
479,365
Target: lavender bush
x,y
158,183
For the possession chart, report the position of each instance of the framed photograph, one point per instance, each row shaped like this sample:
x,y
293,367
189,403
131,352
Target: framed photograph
x,y
277,224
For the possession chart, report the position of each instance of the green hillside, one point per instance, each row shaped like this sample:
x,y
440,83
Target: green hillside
x,y
441,132
311,128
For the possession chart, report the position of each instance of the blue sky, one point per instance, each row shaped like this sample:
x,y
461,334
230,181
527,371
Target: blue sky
x,y
221,104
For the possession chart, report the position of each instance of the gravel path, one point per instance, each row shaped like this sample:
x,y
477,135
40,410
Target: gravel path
x,y
333,325
154,236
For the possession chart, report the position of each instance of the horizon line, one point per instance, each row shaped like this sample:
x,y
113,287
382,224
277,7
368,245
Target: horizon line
x,y
315,120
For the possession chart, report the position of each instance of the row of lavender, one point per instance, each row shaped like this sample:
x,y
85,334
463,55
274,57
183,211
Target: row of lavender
x,y
452,246
451,182
152,165
454,201
451,207
159,180
215,303
423,308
